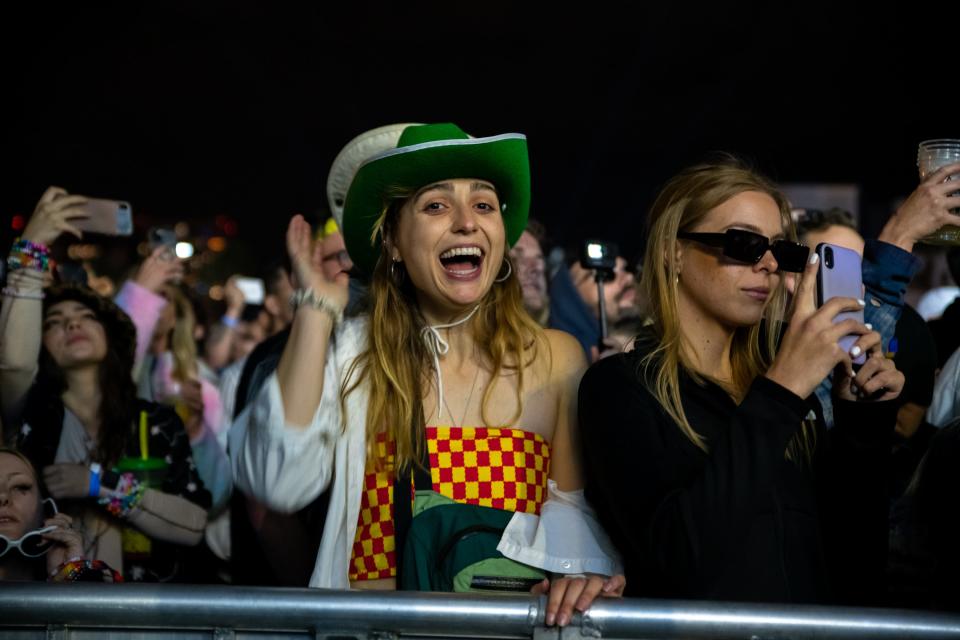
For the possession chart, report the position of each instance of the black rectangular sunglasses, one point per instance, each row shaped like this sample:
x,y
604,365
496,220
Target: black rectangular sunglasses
x,y
746,246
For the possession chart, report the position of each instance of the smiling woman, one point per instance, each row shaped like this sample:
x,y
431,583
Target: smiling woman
x,y
447,389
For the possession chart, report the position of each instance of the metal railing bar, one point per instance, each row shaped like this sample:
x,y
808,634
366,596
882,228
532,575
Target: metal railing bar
x,y
448,615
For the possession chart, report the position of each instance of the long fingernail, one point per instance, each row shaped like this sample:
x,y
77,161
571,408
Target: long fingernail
x,y
856,351
868,325
862,303
814,258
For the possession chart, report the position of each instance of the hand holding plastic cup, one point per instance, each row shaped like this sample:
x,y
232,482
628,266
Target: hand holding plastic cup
x,y
931,155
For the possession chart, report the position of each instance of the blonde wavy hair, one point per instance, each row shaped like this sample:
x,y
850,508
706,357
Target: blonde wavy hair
x,y
396,364
686,200
182,343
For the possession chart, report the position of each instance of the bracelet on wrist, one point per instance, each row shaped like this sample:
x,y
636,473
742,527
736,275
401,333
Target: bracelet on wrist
x,y
13,292
25,254
83,570
126,497
229,321
321,303
96,472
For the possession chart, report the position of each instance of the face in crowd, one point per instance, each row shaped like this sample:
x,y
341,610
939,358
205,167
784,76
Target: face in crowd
x,y
731,293
20,506
450,237
619,294
528,261
73,335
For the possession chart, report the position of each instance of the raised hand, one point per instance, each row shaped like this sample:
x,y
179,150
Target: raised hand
x,y
160,268
233,296
306,257
52,216
810,350
926,209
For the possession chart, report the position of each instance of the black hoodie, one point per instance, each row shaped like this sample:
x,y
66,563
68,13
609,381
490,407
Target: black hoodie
x,y
740,522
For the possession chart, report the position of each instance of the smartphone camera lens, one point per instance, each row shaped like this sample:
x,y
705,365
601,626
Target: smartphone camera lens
x,y
828,257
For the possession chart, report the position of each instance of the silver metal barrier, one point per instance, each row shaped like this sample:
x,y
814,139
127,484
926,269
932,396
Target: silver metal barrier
x,y
79,611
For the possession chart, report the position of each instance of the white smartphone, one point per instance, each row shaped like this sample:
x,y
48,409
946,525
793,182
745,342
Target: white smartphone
x,y
252,289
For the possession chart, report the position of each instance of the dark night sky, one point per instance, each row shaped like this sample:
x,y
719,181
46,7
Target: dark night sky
x,y
239,108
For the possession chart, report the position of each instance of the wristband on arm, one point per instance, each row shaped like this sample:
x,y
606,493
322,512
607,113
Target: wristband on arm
x,y
96,472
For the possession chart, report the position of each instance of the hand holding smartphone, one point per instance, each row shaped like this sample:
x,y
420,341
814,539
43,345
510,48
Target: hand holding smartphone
x,y
252,289
841,276
109,217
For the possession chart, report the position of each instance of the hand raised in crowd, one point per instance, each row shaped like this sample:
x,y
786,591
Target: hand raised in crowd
x,y
159,269
566,594
52,216
233,297
306,257
68,543
809,350
67,480
878,379
926,209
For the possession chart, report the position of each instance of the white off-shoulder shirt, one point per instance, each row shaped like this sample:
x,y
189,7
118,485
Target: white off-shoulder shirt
x,y
287,467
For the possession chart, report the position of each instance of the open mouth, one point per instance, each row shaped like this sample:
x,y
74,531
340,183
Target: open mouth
x,y
462,262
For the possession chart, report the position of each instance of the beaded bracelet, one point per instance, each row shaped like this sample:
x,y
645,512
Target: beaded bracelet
x,y
83,570
125,497
26,254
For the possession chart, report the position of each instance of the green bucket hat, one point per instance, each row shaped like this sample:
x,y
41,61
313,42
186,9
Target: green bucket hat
x,y
432,153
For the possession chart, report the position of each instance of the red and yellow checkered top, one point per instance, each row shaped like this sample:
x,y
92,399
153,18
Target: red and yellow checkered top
x,y
487,466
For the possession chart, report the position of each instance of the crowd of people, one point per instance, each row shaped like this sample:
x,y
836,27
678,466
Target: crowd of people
x,y
432,394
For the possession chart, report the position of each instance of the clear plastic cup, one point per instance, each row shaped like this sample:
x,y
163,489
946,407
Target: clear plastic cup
x,y
931,155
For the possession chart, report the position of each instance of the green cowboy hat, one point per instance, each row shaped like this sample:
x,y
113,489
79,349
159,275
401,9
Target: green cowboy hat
x,y
431,153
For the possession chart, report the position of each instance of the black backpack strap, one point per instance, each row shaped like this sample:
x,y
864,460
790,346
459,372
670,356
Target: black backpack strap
x,y
419,475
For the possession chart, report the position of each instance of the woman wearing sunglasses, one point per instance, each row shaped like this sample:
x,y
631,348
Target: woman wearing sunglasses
x,y
33,547
705,452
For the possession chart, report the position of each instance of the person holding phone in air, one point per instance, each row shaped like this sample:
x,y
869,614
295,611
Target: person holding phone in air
x,y
706,456
66,356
